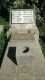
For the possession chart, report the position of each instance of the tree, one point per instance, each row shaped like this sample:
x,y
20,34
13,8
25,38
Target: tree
x,y
19,4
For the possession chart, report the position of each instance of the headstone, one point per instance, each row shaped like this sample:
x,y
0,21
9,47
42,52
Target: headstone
x,y
23,31
23,21
22,16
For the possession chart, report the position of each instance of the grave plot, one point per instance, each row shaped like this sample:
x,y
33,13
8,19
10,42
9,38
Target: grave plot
x,y
23,29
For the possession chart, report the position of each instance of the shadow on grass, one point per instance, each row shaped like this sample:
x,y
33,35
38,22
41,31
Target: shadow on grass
x,y
42,43
2,56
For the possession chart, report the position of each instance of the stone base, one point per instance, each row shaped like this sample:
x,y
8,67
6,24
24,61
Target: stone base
x,y
21,41
27,57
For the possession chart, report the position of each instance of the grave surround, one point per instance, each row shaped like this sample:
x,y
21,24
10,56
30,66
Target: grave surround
x,y
23,29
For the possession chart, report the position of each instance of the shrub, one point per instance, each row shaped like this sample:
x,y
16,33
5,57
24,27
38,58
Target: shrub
x,y
39,21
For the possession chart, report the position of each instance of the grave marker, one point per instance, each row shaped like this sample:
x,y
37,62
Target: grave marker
x,y
22,16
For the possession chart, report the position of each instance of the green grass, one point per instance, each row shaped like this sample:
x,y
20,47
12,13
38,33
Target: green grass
x,y
42,38
42,43
41,29
3,21
6,26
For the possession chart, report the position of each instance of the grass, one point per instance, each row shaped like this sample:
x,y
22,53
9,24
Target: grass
x,y
3,21
6,26
41,29
42,38
42,43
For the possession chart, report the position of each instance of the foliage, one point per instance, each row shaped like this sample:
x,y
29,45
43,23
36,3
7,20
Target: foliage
x,y
3,21
3,39
2,43
40,21
42,29
5,5
43,10
6,27
19,3
42,43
